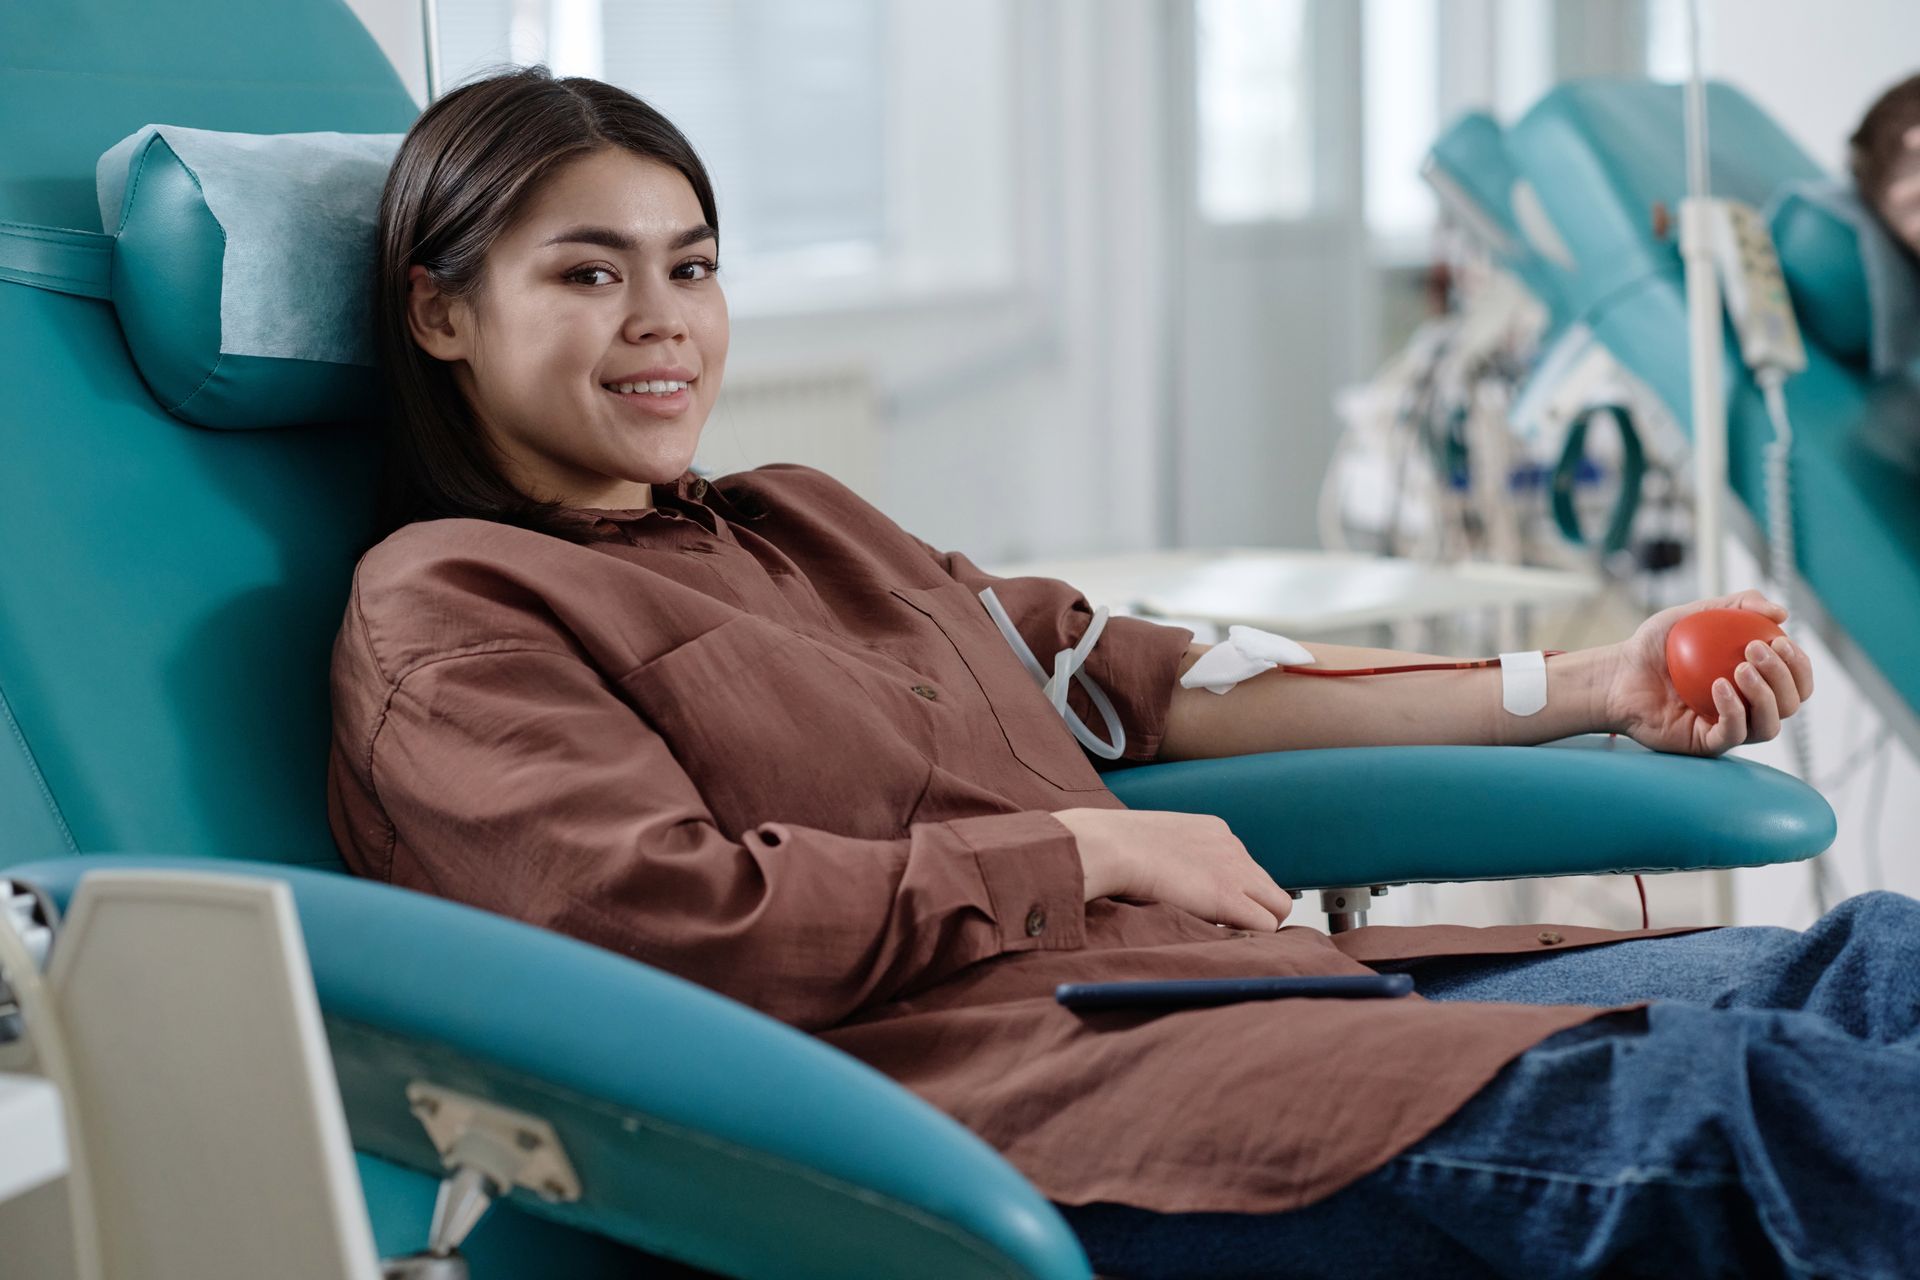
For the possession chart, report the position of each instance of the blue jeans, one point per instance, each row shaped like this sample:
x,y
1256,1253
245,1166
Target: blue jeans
x,y
1761,1118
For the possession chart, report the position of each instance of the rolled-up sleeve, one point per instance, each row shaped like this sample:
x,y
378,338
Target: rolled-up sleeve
x,y
1135,662
519,781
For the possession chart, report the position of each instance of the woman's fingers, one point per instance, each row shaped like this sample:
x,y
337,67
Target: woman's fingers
x,y
1274,902
1755,601
1772,664
1730,730
1763,709
1799,664
1250,913
1254,901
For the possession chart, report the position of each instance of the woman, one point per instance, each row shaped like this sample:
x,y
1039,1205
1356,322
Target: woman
x,y
1884,156
754,733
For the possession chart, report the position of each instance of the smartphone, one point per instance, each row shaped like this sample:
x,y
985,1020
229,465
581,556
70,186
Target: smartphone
x,y
1192,992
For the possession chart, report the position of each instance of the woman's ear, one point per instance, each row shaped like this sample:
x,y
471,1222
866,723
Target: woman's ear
x,y
439,324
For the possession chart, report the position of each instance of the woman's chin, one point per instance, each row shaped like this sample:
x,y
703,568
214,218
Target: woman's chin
x,y
663,468
661,454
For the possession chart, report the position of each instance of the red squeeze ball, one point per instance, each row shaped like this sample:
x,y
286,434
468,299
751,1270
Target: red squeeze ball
x,y
1707,646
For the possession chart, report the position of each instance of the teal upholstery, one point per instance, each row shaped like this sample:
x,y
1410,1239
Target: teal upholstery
x,y
507,1245
1394,815
1820,258
168,595
1602,153
244,301
672,1102
1847,271
172,704
1468,166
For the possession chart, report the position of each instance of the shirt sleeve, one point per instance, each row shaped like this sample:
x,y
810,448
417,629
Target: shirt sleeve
x,y
1135,662
519,781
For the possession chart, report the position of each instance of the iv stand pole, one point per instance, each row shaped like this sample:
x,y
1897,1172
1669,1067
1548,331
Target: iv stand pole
x,y
430,41
1706,349
1706,365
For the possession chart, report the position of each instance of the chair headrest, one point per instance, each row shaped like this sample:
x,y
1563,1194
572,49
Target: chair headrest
x,y
242,270
1855,290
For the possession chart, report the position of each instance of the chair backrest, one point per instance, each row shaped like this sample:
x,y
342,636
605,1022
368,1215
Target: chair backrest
x,y
1600,155
168,594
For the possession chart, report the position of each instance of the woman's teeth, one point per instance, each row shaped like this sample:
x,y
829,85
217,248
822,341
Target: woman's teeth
x,y
658,387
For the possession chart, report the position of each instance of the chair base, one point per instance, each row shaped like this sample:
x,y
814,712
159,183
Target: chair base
x,y
1346,908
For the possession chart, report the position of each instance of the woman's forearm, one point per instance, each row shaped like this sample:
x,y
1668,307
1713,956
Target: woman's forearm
x,y
1279,711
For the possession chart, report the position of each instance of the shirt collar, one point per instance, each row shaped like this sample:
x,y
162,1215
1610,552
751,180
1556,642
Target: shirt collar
x,y
696,497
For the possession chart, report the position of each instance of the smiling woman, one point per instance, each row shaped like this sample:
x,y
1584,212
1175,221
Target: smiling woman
x,y
756,734
549,312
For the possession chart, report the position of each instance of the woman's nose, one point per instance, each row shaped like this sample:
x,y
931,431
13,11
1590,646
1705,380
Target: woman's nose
x,y
652,316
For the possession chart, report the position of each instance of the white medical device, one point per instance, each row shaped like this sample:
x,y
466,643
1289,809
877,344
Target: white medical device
x,y
1754,287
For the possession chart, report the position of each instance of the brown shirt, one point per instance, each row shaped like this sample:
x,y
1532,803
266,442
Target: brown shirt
x,y
767,740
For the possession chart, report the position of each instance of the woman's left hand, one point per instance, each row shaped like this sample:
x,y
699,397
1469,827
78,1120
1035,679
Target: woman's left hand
x,y
1641,702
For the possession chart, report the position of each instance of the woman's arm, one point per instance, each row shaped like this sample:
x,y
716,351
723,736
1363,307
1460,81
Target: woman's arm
x,y
1617,688
519,781
1279,711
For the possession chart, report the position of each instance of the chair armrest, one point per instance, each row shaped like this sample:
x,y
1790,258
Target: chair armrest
x,y
1398,815
701,1129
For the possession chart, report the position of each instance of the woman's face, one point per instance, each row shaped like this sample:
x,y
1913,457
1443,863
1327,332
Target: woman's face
x,y
1901,206
607,278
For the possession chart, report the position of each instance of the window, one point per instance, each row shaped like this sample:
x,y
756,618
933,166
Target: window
x,y
1424,64
858,148
1669,42
1255,100
1402,79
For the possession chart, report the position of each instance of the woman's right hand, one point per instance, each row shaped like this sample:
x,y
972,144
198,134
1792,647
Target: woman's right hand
x,y
1189,860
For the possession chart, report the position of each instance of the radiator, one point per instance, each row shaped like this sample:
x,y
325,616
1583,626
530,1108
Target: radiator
x,y
828,419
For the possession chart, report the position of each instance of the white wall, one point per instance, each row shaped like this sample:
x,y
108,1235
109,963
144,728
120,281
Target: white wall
x,y
396,25
1814,66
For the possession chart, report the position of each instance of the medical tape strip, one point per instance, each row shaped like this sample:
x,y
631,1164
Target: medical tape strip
x,y
1245,653
1523,682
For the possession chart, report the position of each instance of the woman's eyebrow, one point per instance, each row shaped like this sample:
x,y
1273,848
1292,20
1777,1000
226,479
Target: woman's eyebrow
x,y
611,238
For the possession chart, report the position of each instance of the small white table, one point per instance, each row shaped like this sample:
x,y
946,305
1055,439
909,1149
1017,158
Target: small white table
x,y
1303,593
33,1135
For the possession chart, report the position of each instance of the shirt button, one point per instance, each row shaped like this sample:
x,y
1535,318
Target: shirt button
x,y
697,488
1548,937
926,691
1036,921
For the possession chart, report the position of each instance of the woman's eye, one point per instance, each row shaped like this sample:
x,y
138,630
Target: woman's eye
x,y
586,271
703,268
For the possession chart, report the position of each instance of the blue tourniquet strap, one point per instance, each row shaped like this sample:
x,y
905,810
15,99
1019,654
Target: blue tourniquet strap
x,y
56,258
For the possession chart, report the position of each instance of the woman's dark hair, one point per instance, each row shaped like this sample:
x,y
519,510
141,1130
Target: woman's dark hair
x,y
1875,150
466,170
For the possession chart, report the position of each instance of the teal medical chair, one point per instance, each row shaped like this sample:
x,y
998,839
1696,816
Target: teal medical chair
x,y
168,596
1602,164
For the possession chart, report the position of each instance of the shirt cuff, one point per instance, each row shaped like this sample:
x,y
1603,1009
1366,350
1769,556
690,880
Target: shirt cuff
x,y
1030,865
1137,663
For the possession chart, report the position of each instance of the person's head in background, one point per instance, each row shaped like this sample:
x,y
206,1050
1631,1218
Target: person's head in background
x,y
1884,154
544,244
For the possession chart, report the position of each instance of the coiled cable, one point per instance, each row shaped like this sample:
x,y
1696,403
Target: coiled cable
x,y
1782,566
